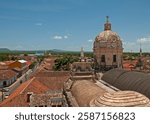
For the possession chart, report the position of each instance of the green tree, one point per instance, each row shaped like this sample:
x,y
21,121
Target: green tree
x,y
32,65
63,63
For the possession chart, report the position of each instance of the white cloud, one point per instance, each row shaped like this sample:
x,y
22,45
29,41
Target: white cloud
x,y
60,37
90,40
65,37
57,37
144,40
39,24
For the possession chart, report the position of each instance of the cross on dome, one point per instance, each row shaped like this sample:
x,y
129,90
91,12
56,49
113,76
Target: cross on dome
x,y
107,25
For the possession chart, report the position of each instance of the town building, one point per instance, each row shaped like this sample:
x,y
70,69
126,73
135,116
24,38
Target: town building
x,y
7,77
43,89
82,65
146,64
51,98
5,65
19,66
82,69
107,49
83,89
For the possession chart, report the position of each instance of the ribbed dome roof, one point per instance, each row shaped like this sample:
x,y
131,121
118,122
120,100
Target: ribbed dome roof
x,y
120,99
108,35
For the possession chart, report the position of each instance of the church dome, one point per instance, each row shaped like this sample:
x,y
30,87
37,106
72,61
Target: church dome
x,y
107,35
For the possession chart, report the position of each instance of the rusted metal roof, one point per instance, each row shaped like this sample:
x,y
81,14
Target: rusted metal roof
x,y
129,80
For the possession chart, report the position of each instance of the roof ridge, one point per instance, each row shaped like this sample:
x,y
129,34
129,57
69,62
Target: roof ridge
x,y
27,85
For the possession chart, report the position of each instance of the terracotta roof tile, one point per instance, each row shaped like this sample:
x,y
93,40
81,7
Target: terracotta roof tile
x,y
19,96
52,74
37,85
3,67
7,74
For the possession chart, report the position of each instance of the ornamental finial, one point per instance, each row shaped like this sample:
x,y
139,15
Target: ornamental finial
x,y
107,19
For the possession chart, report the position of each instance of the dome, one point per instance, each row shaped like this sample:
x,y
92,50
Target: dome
x,y
120,99
84,91
108,38
108,35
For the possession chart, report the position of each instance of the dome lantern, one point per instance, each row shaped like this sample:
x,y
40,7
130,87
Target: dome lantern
x,y
107,25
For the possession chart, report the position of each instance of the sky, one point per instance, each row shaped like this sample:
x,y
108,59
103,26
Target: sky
x,y
72,24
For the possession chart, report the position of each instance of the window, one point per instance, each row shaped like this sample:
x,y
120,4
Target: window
x,y
4,83
41,106
28,96
21,82
103,58
114,58
54,105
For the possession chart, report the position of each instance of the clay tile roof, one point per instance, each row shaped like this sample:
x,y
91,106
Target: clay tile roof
x,y
7,74
37,85
28,63
6,62
53,83
3,67
19,96
52,74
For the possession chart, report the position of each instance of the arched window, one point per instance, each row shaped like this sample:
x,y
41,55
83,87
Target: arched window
x,y
103,58
114,58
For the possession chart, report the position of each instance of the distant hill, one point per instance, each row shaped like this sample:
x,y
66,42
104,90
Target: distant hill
x,y
4,50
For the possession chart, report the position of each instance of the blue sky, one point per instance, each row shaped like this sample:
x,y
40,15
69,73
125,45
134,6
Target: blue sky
x,y
72,24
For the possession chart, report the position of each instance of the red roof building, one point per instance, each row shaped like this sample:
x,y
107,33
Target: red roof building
x,y
39,84
7,77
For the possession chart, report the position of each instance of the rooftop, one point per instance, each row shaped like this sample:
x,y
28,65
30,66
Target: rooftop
x,y
22,61
84,91
37,85
128,80
120,98
7,74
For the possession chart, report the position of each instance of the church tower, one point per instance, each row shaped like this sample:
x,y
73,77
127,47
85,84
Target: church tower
x,y
107,49
140,50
